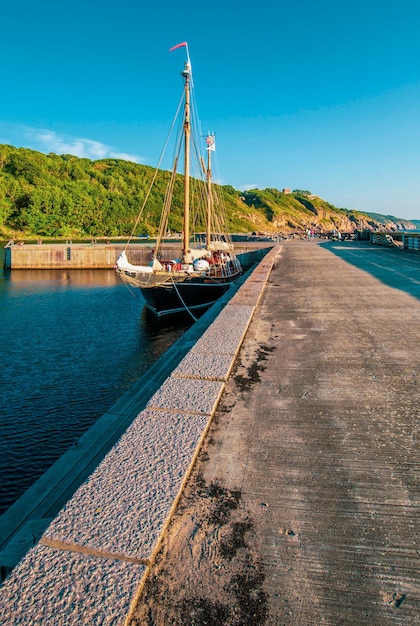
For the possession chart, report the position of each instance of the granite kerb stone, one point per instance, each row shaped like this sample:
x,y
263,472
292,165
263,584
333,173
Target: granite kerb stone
x,y
51,587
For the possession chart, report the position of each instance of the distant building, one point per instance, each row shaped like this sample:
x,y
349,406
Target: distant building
x,y
286,190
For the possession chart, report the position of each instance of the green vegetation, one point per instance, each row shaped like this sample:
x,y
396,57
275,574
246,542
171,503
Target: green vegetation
x,y
66,196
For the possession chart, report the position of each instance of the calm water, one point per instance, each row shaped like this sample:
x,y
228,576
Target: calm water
x,y
72,342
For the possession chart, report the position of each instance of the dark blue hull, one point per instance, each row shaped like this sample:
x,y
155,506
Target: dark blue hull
x,y
195,294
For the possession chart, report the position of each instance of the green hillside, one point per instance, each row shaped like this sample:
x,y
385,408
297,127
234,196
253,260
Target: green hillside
x,y
66,196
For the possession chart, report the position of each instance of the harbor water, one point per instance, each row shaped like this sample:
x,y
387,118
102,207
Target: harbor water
x,y
72,342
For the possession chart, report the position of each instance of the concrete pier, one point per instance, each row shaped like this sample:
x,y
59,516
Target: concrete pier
x,y
317,431
315,447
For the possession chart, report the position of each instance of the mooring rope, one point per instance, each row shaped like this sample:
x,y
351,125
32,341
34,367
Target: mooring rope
x,y
182,301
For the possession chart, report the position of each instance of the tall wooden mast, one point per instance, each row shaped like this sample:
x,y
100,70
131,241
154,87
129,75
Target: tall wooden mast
x,y
187,133
210,147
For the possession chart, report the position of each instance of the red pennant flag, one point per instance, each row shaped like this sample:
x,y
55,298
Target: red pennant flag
x,y
180,45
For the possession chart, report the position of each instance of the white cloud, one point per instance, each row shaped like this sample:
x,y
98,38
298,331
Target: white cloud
x,y
248,187
49,141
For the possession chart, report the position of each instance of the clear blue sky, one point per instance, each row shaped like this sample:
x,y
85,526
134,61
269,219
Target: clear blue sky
x,y
323,96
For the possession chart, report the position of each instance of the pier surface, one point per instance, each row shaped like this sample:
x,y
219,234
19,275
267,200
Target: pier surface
x,y
301,401
303,508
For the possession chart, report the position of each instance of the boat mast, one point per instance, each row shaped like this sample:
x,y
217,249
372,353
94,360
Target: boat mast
x,y
187,133
210,147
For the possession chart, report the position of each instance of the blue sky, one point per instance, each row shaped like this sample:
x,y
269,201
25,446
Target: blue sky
x,y
322,96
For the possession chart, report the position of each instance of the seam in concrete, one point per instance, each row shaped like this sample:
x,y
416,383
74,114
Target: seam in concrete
x,y
164,409
74,547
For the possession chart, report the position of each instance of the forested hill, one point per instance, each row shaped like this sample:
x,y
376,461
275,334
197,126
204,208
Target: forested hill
x,y
66,196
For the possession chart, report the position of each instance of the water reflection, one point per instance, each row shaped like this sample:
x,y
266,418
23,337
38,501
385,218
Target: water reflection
x,y
94,278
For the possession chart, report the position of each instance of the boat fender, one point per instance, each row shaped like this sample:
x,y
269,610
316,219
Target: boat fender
x,y
201,265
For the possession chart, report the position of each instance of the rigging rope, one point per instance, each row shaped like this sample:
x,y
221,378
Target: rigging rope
x,y
155,173
182,301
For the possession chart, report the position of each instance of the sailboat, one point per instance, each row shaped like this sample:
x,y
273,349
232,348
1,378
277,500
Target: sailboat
x,y
207,264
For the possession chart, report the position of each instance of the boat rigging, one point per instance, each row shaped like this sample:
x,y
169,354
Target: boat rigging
x,y
205,269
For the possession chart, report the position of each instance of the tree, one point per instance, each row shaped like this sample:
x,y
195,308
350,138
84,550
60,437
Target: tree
x,y
301,192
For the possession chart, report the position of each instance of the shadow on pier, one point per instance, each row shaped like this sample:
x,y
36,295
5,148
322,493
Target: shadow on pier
x,y
394,267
